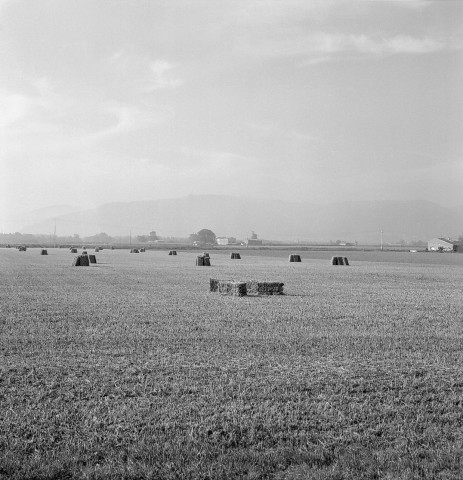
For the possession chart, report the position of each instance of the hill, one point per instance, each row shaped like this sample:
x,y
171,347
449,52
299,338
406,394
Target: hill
x,y
270,218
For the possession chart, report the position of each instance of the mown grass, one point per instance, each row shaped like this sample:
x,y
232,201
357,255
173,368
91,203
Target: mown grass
x,y
131,369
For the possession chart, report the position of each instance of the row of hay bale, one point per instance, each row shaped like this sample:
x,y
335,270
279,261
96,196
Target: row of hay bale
x,y
242,288
294,258
173,252
235,256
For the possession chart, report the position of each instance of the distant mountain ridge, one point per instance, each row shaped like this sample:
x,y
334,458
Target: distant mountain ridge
x,y
269,218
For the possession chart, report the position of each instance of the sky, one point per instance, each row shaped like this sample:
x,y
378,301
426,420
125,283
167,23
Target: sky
x,y
320,101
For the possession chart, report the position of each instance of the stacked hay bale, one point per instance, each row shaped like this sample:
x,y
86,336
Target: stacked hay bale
x,y
22,249
294,258
202,261
339,261
92,258
81,261
43,252
235,256
134,250
251,287
73,250
265,288
172,252
228,287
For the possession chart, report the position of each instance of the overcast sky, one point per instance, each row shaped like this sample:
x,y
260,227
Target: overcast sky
x,y
118,100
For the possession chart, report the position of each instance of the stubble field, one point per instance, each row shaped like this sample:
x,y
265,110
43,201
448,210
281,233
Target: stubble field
x,y
132,369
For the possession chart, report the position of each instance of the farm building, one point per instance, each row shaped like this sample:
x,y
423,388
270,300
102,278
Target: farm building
x,y
442,245
226,240
222,241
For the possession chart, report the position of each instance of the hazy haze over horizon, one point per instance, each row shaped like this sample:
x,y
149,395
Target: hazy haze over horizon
x,y
111,100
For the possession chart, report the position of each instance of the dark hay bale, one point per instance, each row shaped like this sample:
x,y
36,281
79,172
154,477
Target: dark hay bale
x,y
340,261
206,255
142,250
22,249
170,253
134,250
294,258
334,260
81,261
92,258
173,252
73,250
235,256
203,261
346,262
43,252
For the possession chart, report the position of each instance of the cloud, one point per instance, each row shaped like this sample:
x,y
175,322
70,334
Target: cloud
x,y
322,46
162,77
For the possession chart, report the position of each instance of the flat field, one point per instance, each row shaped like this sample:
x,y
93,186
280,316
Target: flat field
x,y
132,369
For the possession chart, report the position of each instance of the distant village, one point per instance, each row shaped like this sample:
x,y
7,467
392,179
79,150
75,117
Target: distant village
x,y
206,237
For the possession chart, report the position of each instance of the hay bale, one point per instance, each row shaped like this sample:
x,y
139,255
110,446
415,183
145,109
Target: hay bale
x,y
97,249
22,249
172,252
81,261
203,261
235,256
92,258
85,252
249,287
43,252
206,255
237,289
340,261
294,258
134,250
228,287
73,250
346,262
334,260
